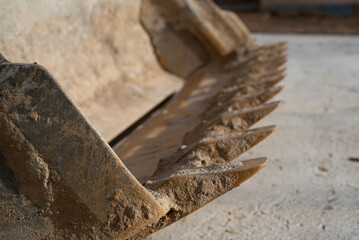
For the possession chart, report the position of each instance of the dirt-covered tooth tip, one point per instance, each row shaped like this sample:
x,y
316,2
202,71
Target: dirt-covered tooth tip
x,y
204,184
251,115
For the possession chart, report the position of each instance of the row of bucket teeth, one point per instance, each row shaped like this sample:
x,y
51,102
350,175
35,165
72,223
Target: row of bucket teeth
x,y
261,54
223,133
201,170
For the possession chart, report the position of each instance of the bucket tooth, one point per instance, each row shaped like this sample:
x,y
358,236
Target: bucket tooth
x,y
262,83
249,94
261,56
274,63
270,73
190,189
246,168
271,77
226,147
240,101
255,98
251,99
268,61
270,58
272,50
251,115
229,121
275,52
252,86
273,46
213,149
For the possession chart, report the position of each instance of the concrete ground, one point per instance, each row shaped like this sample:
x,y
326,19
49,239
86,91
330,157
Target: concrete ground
x,y
309,189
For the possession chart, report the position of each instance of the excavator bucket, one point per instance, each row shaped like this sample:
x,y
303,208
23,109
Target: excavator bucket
x,y
92,175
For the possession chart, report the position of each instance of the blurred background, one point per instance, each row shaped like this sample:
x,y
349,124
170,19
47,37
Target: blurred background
x,y
297,16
